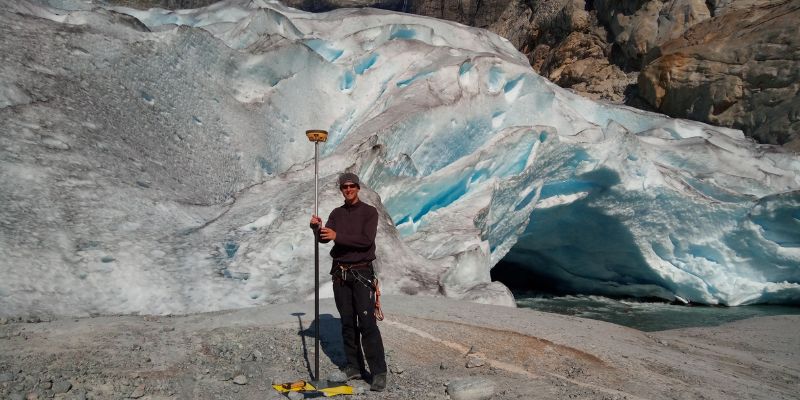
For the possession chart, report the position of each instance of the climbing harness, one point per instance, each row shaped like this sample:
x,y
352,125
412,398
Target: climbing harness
x,y
378,311
372,284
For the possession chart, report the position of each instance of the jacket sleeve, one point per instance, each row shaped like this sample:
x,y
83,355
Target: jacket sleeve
x,y
330,223
369,229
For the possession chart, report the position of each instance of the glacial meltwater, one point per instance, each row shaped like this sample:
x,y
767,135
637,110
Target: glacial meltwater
x,y
645,316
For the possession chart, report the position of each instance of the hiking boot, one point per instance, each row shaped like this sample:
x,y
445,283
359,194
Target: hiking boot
x,y
378,383
351,372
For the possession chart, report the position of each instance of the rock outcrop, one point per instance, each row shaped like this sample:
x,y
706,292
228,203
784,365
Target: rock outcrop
x,y
469,12
639,26
741,70
581,62
565,43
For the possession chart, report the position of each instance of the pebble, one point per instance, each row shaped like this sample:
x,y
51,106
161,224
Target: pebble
x,y
54,143
471,389
138,392
62,387
3,321
337,376
359,389
274,395
294,396
240,380
396,369
474,360
78,395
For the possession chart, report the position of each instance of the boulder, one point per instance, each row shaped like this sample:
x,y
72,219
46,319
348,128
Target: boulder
x,y
474,388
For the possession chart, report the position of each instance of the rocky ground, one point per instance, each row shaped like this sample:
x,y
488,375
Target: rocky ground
x,y
436,348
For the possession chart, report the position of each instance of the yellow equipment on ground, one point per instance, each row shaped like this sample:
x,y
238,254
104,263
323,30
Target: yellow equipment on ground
x,y
309,391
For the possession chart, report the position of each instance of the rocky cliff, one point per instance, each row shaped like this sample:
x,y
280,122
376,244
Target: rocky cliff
x,y
741,69
734,63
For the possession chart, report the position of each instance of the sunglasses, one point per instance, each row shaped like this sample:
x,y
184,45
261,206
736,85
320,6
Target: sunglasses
x,y
348,186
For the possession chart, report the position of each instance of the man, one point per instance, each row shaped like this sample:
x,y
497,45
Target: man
x,y
352,228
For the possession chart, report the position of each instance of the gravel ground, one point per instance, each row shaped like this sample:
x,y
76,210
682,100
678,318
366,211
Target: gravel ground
x,y
436,349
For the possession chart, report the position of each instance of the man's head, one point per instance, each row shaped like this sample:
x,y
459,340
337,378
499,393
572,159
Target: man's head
x,y
349,185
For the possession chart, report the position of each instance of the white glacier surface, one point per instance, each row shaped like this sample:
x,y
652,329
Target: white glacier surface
x,y
155,162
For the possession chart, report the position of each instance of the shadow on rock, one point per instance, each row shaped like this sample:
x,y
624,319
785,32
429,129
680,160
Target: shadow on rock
x,y
330,339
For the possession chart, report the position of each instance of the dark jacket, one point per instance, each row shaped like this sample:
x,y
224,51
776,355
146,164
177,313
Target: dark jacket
x,y
356,226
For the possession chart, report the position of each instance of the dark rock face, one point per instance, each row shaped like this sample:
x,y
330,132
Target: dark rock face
x,y
327,5
166,4
741,69
469,12
307,5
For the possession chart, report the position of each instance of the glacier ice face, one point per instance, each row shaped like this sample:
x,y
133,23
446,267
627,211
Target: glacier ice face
x,y
160,166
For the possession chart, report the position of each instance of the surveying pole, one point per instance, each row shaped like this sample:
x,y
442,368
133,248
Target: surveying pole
x,y
316,136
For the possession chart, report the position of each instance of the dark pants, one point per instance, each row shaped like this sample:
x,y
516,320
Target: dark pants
x,y
355,300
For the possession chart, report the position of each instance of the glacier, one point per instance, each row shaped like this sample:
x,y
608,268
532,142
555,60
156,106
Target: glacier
x,y
155,162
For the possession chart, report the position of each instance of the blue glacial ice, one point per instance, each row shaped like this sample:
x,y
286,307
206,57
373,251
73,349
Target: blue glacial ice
x,y
471,157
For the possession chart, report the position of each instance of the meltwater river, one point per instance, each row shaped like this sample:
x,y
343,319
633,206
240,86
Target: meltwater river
x,y
645,316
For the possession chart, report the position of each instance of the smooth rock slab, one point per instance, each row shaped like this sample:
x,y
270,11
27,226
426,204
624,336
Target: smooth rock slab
x,y
471,389
61,387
